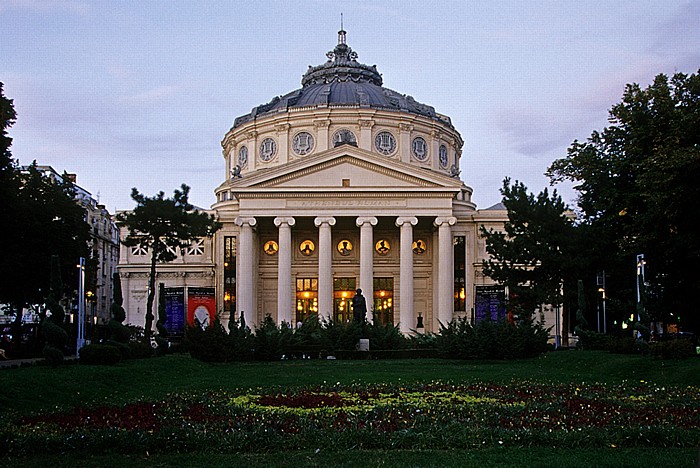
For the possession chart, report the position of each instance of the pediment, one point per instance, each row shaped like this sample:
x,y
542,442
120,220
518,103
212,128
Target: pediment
x,y
349,167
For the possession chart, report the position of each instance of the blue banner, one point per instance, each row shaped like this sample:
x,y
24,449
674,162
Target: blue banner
x,y
175,309
490,302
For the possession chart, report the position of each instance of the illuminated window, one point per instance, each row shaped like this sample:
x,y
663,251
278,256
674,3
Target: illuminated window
x,y
230,275
307,298
460,259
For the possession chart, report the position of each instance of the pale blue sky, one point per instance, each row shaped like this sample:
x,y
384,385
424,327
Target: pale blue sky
x,y
140,93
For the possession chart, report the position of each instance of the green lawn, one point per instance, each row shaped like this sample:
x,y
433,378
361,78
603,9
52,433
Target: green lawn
x,y
40,388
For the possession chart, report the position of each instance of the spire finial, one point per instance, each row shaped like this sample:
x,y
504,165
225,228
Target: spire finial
x,y
341,33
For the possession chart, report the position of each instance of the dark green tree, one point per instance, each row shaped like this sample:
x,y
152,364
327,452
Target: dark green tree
x,y
53,321
535,253
163,226
40,219
638,192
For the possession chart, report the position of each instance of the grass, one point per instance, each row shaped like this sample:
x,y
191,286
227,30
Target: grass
x,y
41,388
38,388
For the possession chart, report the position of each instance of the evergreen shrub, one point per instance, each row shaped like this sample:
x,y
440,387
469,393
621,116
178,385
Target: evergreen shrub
x,y
491,339
672,349
100,354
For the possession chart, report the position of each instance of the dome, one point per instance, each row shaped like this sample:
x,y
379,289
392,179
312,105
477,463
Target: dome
x,y
343,81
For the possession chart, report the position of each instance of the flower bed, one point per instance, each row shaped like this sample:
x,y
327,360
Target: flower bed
x,y
435,415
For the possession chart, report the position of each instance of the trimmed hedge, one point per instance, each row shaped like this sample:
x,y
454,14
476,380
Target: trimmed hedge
x,y
100,354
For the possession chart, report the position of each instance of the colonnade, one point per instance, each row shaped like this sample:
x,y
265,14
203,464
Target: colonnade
x,y
443,271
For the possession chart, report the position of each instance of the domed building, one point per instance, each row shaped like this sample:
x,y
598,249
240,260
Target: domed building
x,y
342,184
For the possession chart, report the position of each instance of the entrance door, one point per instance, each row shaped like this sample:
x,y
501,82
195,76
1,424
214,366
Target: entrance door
x,y
384,300
307,298
343,292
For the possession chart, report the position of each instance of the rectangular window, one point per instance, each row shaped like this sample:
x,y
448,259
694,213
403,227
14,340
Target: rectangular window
x,y
460,260
230,275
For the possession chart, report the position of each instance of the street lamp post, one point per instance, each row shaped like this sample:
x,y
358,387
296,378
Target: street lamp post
x,y
81,305
640,282
601,289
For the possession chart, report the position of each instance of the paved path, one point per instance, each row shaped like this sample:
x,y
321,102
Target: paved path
x,y
19,362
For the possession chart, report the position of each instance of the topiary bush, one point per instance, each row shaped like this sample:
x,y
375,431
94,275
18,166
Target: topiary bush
x,y
100,354
594,341
672,349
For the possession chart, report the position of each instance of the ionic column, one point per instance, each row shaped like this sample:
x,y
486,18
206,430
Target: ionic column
x,y
245,298
325,266
365,224
406,318
284,270
445,267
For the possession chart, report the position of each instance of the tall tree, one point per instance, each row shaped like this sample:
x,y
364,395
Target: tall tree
x,y
40,219
535,252
163,226
638,192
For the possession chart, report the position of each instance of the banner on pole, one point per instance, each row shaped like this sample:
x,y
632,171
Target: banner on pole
x,y
490,302
175,311
201,304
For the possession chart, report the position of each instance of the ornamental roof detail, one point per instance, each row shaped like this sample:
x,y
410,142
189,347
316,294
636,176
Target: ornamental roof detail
x,y
343,81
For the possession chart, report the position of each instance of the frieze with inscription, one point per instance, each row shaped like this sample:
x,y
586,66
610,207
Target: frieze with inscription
x,y
344,203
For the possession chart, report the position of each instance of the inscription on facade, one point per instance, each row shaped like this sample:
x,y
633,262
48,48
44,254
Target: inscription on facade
x,y
344,203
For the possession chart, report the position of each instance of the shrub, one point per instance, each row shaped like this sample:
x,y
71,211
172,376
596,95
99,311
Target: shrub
x,y
591,340
672,349
385,337
422,341
491,340
340,335
272,341
628,345
100,354
209,345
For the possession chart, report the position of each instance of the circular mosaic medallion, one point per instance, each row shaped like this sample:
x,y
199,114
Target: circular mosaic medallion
x,y
271,247
382,247
385,143
243,156
303,143
344,136
420,149
268,148
443,156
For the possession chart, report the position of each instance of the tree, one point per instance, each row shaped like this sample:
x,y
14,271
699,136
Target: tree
x,y
638,192
163,226
535,252
40,219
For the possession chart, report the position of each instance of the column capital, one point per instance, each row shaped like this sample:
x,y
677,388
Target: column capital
x,y
243,220
329,220
401,220
281,220
372,220
445,220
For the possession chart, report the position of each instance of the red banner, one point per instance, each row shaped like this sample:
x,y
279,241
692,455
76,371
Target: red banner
x,y
201,304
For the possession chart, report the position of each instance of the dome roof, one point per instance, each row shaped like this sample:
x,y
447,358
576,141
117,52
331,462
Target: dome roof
x,y
343,81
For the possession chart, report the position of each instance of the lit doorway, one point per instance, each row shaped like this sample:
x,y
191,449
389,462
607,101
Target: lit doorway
x,y
343,292
384,300
307,298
